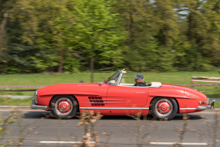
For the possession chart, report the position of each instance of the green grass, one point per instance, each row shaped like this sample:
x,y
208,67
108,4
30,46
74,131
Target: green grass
x,y
217,104
15,102
44,79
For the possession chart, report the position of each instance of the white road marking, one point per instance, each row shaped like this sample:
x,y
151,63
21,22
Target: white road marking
x,y
172,143
66,142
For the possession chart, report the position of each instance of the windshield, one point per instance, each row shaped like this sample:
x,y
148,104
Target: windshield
x,y
113,79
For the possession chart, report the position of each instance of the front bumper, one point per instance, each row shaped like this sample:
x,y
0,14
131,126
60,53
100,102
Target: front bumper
x,y
210,106
34,106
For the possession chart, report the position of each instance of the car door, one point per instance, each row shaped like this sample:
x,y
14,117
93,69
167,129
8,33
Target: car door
x,y
127,96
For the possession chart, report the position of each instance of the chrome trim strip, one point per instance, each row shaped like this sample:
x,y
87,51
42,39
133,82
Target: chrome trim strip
x,y
202,107
33,106
111,100
212,104
114,103
107,108
107,103
119,78
35,96
104,100
187,108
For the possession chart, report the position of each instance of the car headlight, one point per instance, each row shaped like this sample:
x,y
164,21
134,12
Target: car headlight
x,y
35,97
204,102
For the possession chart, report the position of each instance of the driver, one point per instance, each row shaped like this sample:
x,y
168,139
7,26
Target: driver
x,y
139,80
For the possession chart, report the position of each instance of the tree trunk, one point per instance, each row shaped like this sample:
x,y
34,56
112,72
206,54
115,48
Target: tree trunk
x,y
190,25
130,29
60,68
2,27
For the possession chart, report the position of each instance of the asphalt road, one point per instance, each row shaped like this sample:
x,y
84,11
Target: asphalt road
x,y
121,131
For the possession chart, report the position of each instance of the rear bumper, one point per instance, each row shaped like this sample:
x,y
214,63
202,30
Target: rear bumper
x,y
210,106
35,106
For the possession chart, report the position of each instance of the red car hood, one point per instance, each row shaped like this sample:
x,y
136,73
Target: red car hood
x,y
71,84
70,88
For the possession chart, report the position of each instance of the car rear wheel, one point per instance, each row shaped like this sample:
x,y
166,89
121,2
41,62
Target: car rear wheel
x,y
164,108
63,106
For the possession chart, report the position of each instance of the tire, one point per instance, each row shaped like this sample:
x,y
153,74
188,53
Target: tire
x,y
63,106
164,108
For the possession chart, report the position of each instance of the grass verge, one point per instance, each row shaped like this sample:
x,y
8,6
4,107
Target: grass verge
x,y
217,104
43,79
48,79
14,102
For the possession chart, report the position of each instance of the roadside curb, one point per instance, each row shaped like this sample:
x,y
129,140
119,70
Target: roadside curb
x,y
16,96
25,107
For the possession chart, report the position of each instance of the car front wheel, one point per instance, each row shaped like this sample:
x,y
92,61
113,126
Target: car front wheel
x,y
63,106
164,108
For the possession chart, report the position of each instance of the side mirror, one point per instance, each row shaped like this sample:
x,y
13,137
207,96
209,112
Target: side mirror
x,y
99,83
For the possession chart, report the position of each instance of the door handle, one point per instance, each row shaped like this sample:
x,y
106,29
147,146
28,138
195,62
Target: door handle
x,y
141,92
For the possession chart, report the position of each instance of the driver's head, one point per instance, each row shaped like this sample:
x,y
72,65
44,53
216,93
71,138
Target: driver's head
x,y
138,78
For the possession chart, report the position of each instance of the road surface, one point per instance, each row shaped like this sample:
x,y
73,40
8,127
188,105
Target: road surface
x,y
122,130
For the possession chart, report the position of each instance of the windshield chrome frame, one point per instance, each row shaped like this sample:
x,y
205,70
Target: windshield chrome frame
x,y
119,78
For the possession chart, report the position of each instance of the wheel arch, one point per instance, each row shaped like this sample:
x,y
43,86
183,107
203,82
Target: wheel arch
x,y
77,110
156,97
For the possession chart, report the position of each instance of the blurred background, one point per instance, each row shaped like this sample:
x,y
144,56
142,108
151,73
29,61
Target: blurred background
x,y
45,42
80,35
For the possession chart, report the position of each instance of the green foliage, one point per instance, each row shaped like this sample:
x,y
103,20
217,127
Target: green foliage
x,y
200,32
152,30
142,35
71,64
97,32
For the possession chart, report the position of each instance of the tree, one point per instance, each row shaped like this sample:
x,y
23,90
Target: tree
x,y
152,31
6,7
201,18
44,25
98,36
141,35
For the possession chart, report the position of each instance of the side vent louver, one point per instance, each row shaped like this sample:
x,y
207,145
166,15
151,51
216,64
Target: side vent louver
x,y
96,101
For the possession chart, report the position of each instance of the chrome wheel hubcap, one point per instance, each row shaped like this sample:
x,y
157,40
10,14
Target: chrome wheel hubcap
x,y
63,106
163,107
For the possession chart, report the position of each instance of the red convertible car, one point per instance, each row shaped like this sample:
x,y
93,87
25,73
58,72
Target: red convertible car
x,y
112,97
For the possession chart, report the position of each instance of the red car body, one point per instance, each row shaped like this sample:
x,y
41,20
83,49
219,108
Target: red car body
x,y
113,98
